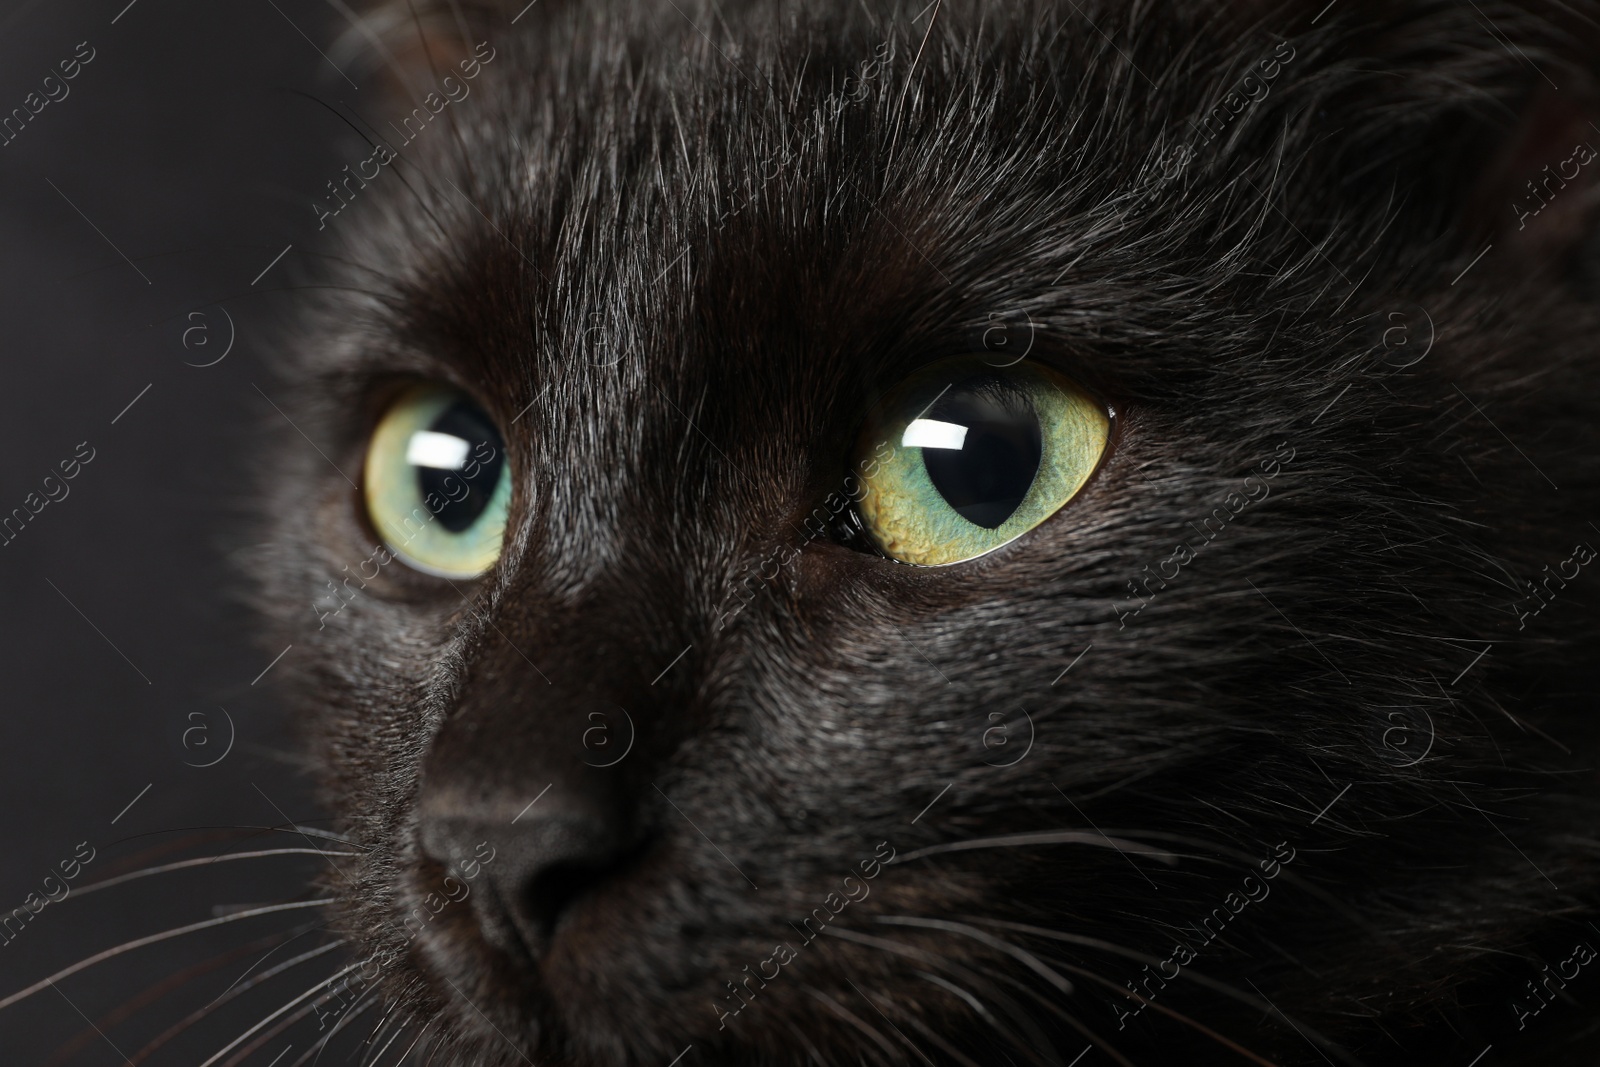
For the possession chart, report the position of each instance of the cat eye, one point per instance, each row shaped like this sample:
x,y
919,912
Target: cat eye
x,y
437,482
965,457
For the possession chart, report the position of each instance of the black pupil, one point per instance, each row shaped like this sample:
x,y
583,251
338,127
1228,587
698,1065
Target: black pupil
x,y
988,476
458,497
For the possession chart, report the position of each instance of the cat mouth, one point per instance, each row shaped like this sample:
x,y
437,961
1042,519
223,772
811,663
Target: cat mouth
x,y
480,972
522,952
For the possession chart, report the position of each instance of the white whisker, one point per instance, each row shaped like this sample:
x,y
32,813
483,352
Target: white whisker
x,y
226,857
303,931
153,939
409,1048
236,1042
1132,995
397,1034
1019,1018
1073,1021
944,1046
359,1008
860,1024
285,828
232,992
1023,956
1046,837
1138,957
390,1014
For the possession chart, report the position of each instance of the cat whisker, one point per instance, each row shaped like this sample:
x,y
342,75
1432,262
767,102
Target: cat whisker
x,y
466,157
242,1038
1023,956
357,1009
866,996
1147,767
1076,1024
1014,1012
227,857
409,1048
397,158
146,997
967,997
1234,852
401,1014
435,1046
286,828
297,934
1074,939
1046,837
1106,946
1220,848
1139,957
390,1014
800,1036
872,1033
944,1046
1034,964
152,939
265,1039
1176,1016
193,836
379,1054
231,993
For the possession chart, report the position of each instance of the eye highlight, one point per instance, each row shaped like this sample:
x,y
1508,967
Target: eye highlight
x,y
978,456
437,482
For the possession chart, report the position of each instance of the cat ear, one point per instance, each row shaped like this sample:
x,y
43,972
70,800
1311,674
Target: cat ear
x,y
1492,119
1537,197
410,45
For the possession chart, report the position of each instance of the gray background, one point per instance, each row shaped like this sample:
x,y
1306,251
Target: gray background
x,y
188,143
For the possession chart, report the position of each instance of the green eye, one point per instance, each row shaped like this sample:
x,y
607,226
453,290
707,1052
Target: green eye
x,y
438,485
965,457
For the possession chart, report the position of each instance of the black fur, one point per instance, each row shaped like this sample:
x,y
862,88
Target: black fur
x,y
678,252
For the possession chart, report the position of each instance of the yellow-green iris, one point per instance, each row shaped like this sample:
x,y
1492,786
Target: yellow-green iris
x,y
965,457
438,482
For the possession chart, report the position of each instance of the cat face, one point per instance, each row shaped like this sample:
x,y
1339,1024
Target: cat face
x,y
676,714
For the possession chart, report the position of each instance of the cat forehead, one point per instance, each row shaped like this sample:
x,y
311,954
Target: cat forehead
x,y
765,228
810,257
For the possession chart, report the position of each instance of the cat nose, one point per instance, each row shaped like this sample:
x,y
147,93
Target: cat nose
x,y
545,859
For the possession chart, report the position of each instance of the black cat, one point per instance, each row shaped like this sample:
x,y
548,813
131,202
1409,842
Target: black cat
x,y
987,533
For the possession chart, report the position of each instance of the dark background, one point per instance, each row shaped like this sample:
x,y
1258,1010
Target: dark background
x,y
191,143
